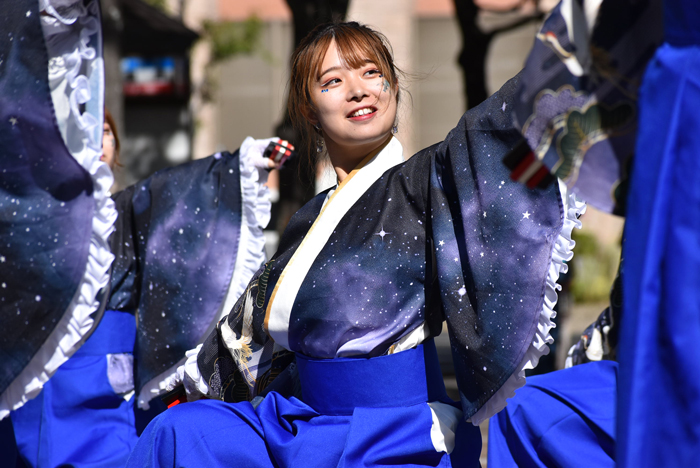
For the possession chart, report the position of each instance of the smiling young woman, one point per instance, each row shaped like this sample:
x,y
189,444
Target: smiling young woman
x,y
354,110
344,89
329,354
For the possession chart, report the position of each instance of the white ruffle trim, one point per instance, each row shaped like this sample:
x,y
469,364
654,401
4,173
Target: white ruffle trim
x,y
76,322
255,216
562,252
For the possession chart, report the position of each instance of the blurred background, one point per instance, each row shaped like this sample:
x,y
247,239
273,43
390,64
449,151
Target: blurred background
x,y
186,79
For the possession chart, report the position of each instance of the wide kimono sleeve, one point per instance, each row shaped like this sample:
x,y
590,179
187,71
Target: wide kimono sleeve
x,y
499,249
188,240
55,212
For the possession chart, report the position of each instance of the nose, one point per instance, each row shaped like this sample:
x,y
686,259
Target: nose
x,y
356,90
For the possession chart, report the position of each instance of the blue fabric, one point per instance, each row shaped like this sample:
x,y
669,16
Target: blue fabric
x,y
78,419
329,386
659,404
284,432
561,419
116,333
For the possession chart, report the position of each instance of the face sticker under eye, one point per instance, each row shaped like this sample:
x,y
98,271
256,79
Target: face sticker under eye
x,y
386,85
324,90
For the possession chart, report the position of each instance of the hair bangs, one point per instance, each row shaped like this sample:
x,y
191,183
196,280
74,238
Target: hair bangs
x,y
356,47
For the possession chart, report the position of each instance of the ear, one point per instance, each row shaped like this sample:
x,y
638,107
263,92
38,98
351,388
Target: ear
x,y
312,118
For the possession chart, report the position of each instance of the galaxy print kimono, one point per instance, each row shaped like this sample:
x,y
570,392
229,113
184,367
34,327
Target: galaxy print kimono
x,y
56,215
375,265
187,241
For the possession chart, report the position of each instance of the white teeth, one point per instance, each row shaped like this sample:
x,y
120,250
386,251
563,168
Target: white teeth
x,y
360,112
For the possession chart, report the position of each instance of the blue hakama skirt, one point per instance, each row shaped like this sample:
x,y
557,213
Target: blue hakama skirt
x,y
355,412
78,419
561,419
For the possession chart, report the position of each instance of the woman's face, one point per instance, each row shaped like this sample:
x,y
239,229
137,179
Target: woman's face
x,y
356,108
109,145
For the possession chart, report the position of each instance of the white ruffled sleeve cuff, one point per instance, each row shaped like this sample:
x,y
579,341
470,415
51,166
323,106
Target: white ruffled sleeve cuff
x,y
188,374
255,216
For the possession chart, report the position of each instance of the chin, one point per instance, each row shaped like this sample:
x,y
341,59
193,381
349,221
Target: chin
x,y
367,138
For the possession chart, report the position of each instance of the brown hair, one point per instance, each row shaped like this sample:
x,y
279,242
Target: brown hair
x,y
356,44
109,120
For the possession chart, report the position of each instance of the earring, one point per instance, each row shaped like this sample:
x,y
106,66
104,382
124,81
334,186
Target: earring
x,y
395,129
319,145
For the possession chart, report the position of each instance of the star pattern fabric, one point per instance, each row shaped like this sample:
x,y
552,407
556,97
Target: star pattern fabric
x,y
441,236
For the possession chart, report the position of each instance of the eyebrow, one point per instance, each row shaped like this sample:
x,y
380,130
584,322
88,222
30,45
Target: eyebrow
x,y
328,70
338,67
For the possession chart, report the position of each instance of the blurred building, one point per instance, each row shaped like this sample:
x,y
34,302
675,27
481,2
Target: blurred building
x,y
148,86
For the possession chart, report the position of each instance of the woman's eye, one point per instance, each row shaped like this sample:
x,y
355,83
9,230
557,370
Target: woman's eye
x,y
373,72
330,82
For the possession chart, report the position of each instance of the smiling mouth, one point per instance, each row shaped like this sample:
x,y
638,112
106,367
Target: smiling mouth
x,y
363,111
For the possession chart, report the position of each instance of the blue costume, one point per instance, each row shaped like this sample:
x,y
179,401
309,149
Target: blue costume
x,y
55,210
564,418
329,351
95,389
658,353
81,417
340,426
